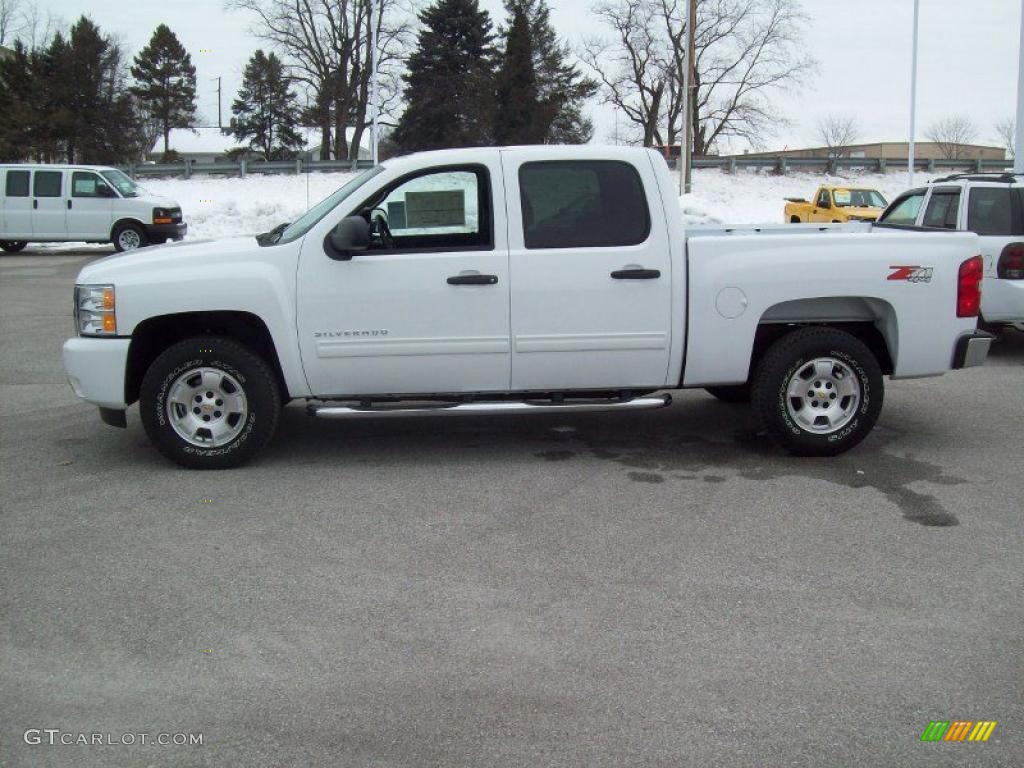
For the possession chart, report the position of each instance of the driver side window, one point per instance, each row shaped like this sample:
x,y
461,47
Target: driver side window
x,y
447,209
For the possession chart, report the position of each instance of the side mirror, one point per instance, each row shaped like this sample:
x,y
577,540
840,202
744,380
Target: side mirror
x,y
825,204
104,191
351,236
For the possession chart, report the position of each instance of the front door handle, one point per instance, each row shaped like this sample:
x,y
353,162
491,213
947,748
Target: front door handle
x,y
636,274
35,204
472,280
69,205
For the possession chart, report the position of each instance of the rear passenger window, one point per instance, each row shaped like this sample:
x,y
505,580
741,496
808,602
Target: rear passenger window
x,y
904,210
943,207
582,204
17,184
988,211
46,184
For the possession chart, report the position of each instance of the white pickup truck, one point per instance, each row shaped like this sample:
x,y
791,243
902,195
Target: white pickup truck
x,y
533,279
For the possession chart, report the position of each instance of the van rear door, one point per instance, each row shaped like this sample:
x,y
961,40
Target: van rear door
x,y
49,208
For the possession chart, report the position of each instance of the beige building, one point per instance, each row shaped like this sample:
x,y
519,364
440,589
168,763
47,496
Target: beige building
x,y
888,150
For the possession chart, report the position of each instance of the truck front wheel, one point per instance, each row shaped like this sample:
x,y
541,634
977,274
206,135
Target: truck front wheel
x,y
818,391
209,403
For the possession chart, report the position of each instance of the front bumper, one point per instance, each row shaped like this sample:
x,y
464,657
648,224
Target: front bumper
x,y
972,349
96,369
170,231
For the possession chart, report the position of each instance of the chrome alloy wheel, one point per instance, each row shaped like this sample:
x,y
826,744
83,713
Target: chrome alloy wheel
x,y
823,395
129,240
207,407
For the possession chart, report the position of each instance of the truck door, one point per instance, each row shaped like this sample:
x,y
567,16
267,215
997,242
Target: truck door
x,y
48,205
89,207
822,210
994,212
591,273
17,205
425,309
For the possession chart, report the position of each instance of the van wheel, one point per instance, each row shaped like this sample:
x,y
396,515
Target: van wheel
x,y
128,237
209,403
13,246
818,391
737,393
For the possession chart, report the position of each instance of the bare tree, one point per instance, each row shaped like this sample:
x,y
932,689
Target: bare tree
x,y
837,132
744,49
1006,131
326,44
952,135
12,20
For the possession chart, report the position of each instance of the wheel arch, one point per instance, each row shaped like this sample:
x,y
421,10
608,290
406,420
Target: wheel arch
x,y
155,334
125,220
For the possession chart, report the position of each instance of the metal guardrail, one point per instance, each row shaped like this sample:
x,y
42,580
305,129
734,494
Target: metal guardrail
x,y
780,165
189,168
833,165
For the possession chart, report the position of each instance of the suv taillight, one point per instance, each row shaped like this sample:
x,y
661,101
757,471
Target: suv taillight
x,y
968,288
1011,262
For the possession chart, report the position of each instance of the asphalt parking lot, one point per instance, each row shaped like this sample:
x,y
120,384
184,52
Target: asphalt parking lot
x,y
661,588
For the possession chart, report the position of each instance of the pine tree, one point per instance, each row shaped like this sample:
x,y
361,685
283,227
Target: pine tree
x,y
519,116
19,130
265,111
561,88
450,81
166,82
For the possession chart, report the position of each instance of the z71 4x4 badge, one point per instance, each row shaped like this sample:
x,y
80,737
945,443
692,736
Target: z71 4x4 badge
x,y
911,274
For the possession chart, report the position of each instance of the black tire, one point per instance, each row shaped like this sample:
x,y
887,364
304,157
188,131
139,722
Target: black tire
x,y
734,393
784,360
259,386
13,246
124,229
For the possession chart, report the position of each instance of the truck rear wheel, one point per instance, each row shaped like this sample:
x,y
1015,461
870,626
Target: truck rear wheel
x,y
209,403
818,391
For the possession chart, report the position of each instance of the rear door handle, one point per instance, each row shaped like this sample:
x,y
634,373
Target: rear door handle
x,y
636,274
472,280
35,204
69,205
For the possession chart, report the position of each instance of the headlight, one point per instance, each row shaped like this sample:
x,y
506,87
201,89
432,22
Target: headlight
x,y
164,215
95,310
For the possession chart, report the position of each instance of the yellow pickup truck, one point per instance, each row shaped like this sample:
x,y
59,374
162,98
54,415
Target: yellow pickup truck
x,y
836,204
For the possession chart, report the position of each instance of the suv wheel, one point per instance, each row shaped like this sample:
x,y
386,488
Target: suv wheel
x,y
128,237
209,403
818,391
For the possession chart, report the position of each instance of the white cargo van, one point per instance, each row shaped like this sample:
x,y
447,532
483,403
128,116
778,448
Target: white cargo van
x,y
82,203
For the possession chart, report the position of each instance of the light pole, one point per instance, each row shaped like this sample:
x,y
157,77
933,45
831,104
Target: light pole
x,y
374,107
913,100
1018,142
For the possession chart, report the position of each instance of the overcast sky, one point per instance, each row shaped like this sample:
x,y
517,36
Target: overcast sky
x,y
967,60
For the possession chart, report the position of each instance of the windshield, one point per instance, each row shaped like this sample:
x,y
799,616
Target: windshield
x,y
308,220
858,198
125,185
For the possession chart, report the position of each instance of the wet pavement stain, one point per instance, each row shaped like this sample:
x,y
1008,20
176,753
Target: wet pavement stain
x,y
646,477
753,456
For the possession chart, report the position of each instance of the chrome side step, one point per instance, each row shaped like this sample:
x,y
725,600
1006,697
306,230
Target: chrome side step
x,y
485,408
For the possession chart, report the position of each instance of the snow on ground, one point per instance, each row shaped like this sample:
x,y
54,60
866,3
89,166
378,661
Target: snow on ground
x,y
223,206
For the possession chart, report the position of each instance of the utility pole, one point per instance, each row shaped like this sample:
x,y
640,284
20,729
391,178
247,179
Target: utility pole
x,y
1018,143
913,100
220,122
688,70
374,106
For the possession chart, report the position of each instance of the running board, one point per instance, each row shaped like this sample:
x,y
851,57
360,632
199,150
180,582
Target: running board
x,y
485,408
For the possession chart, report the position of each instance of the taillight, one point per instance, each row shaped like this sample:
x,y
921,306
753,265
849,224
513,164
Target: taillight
x,y
1011,262
968,288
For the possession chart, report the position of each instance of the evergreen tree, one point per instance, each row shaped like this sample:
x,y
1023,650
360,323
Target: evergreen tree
x,y
265,111
22,123
166,82
450,81
519,115
561,88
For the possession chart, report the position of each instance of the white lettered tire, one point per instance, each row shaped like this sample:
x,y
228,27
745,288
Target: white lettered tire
x,y
209,403
818,391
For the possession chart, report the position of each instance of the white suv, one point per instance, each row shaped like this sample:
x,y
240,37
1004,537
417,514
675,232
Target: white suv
x,y
76,203
990,205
